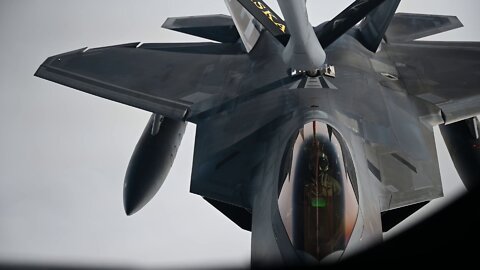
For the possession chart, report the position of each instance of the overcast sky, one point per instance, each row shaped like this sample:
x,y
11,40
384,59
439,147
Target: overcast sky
x,y
63,153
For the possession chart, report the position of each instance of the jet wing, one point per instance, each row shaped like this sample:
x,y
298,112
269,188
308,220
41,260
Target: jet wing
x,y
406,27
445,74
162,78
395,147
232,145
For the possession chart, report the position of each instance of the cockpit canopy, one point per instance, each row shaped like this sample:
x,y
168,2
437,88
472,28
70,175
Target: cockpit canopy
x,y
317,202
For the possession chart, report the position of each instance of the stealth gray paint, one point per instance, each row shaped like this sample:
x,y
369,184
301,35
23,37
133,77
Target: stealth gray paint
x,y
62,162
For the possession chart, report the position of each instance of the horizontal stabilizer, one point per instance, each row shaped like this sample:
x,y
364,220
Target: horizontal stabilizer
x,y
408,27
219,28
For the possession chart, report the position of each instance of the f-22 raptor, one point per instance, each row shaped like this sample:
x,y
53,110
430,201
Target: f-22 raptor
x,y
315,139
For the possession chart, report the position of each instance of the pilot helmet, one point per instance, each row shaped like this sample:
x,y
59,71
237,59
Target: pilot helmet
x,y
323,163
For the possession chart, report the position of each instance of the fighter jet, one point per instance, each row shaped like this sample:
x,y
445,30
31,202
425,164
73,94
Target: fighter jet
x,y
317,139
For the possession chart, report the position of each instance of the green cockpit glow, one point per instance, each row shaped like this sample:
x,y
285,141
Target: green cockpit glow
x,y
319,202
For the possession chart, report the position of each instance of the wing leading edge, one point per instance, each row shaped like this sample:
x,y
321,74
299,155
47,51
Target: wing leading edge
x,y
406,27
167,79
446,74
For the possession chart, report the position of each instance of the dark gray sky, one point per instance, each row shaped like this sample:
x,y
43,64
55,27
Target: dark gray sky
x,y
63,153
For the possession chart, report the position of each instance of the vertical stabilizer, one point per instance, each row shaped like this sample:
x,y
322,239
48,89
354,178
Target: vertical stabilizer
x,y
373,28
245,23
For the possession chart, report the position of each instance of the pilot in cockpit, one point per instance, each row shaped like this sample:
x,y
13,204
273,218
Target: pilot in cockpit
x,y
322,186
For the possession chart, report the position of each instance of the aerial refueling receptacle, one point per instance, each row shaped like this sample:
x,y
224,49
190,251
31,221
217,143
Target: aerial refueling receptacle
x,y
151,161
